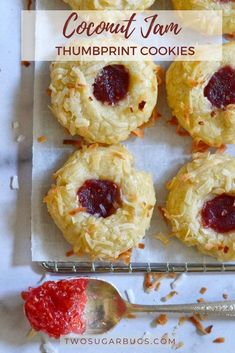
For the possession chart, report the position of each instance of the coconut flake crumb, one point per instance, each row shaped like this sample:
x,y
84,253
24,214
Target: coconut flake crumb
x,y
219,340
152,281
200,328
130,295
47,347
25,63
163,238
169,296
130,316
141,246
15,125
162,319
177,281
42,139
178,345
42,278
201,300
175,329
29,4
146,334
209,329
20,138
14,182
182,320
31,333
203,290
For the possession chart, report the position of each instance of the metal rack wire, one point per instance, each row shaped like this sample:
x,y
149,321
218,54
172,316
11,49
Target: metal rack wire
x,y
107,267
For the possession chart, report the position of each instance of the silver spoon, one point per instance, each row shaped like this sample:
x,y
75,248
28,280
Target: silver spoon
x,y
106,307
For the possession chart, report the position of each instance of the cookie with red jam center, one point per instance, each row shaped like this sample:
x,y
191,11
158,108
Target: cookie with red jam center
x,y
100,202
202,98
103,102
201,205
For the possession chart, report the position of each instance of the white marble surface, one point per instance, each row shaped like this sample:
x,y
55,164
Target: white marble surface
x,y
17,271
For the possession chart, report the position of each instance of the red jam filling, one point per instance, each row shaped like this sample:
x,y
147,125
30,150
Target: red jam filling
x,y
100,197
111,84
220,90
219,214
57,308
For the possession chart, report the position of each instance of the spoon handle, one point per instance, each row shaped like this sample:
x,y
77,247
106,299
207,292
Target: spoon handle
x,y
221,309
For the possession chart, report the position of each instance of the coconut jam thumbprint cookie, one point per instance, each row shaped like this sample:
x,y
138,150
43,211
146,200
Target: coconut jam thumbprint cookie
x,y
110,4
103,102
202,97
227,6
201,205
102,205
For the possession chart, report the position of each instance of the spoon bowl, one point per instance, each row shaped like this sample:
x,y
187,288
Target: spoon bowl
x,y
105,306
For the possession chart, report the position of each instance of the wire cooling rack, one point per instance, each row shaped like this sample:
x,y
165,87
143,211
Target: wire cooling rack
x,y
107,267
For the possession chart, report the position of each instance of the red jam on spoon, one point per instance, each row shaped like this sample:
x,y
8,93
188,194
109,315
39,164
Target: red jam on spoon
x,y
100,197
57,308
220,90
219,213
111,84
